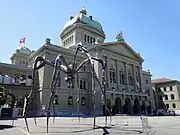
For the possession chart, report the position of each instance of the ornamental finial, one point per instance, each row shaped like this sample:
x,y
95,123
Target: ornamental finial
x,y
119,37
48,41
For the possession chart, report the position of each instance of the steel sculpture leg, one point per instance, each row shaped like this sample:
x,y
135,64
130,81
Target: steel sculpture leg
x,y
53,114
93,97
27,99
78,99
48,111
57,78
34,95
57,62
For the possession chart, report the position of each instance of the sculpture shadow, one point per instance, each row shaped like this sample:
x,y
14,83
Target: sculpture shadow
x,y
3,127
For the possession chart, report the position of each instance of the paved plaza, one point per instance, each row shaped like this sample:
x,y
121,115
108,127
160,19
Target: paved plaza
x,y
119,125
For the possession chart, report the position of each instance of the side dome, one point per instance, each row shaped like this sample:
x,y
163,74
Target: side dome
x,y
84,19
24,50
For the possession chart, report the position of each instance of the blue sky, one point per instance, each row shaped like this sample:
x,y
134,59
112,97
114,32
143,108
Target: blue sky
x,y
150,27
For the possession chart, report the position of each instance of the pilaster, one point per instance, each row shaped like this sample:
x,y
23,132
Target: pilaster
x,y
140,78
117,75
107,71
134,77
126,75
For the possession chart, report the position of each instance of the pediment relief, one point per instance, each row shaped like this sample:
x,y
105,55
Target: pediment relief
x,y
122,49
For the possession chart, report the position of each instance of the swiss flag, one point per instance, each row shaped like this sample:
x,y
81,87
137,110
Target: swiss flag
x,y
22,40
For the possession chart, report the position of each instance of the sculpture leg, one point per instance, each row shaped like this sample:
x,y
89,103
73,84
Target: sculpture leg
x,y
48,111
25,112
93,95
35,122
53,114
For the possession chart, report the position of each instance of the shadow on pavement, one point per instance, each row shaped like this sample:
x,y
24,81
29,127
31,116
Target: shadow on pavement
x,y
3,127
104,130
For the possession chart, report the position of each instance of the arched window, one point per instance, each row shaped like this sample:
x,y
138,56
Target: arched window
x,y
172,96
83,101
70,100
7,79
1,78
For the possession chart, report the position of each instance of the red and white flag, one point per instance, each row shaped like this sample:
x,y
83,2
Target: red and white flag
x,y
22,40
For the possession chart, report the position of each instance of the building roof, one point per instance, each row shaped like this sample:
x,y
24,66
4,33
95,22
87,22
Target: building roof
x,y
162,80
24,50
6,65
83,18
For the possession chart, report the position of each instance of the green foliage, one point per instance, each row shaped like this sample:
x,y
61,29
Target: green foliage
x,y
3,95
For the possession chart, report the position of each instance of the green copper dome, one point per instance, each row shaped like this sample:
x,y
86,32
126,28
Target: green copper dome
x,y
24,50
81,17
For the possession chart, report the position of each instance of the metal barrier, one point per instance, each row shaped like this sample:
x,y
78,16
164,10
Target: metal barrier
x,y
125,119
76,116
145,124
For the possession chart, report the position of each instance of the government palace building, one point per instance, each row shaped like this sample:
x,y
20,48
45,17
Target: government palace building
x,y
129,88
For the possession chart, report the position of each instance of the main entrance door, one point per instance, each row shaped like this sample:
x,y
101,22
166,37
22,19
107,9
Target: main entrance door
x,y
127,106
136,108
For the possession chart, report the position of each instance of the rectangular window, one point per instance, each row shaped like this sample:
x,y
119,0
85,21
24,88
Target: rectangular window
x,y
146,81
84,85
110,74
88,39
167,105
85,38
81,84
120,77
94,40
148,92
164,88
170,88
91,40
114,77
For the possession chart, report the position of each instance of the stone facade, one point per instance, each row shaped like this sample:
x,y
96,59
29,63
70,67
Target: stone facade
x,y
167,94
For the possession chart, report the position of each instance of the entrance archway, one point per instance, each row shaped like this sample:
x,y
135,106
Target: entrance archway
x,y
149,108
136,108
117,108
118,104
143,108
127,106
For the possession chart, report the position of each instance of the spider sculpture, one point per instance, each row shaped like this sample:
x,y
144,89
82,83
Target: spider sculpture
x,y
70,71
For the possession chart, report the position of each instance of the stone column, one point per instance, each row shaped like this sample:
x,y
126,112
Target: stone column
x,y
140,78
134,76
2,78
126,75
107,71
117,75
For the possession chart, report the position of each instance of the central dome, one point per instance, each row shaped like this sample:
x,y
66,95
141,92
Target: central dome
x,y
83,18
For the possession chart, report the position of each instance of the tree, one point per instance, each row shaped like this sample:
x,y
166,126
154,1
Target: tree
x,y
3,95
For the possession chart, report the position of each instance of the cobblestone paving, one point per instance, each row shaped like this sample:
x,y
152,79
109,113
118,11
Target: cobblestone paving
x,y
119,125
